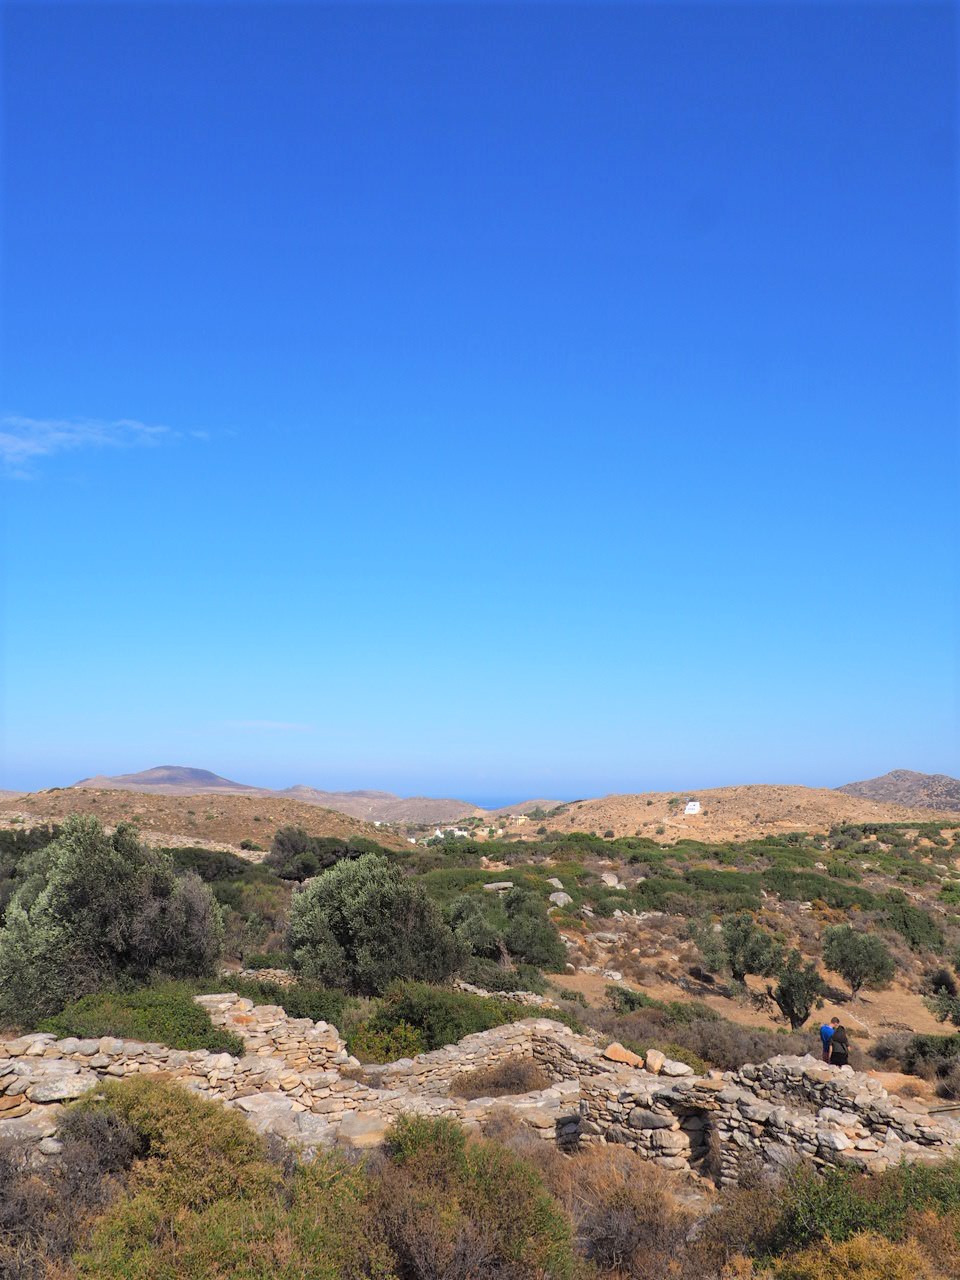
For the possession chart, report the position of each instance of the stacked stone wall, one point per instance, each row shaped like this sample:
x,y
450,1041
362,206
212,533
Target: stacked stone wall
x,y
297,1079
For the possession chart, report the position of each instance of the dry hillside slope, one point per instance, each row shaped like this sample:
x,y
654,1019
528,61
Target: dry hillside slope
x,y
368,806
382,806
207,819
728,813
903,786
166,779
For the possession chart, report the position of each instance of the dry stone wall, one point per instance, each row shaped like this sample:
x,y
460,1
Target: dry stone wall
x,y
296,1079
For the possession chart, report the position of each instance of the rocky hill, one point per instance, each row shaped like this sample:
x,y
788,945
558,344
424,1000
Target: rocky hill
x,y
916,790
166,779
383,806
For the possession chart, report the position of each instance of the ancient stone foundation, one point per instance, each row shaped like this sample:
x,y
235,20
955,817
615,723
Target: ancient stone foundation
x,y
297,1080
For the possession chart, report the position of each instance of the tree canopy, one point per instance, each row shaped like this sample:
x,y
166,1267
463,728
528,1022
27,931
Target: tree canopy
x,y
95,909
861,958
361,925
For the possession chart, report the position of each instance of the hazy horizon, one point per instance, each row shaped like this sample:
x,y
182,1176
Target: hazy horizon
x,y
494,799
491,399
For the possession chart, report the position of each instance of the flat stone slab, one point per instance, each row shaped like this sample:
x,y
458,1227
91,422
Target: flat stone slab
x,y
362,1129
60,1088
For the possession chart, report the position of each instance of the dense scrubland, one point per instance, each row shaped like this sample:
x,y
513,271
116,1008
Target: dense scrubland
x,y
104,935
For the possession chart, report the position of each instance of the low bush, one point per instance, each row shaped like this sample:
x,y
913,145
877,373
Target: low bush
x,y
866,1257
47,1208
162,1014
689,1031
514,1075
296,855
203,1199
373,1045
913,923
494,977
626,1219
445,1016
452,1208
441,1016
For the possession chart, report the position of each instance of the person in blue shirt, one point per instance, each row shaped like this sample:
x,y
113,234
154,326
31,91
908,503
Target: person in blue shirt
x,y
826,1036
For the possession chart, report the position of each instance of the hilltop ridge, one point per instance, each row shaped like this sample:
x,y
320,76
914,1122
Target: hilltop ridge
x,y
169,779
904,786
367,805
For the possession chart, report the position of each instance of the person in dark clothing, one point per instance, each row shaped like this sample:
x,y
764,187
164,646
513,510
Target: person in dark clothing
x,y
826,1035
839,1047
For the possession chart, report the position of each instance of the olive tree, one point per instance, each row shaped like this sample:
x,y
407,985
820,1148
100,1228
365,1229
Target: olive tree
x,y
860,958
799,989
96,909
741,946
361,925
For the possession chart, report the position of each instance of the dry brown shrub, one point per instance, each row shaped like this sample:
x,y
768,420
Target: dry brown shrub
x,y
865,1257
513,1076
938,1237
625,1216
913,1089
744,1222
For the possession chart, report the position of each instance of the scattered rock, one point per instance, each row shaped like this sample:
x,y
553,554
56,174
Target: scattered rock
x,y
615,1052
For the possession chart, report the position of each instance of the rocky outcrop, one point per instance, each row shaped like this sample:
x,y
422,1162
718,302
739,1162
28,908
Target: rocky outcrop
x,y
297,1080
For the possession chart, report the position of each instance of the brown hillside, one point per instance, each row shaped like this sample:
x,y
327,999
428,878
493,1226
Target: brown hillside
x,y
167,779
728,813
368,806
382,806
208,819
903,786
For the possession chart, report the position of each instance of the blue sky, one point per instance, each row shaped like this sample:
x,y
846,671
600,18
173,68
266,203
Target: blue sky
x,y
490,399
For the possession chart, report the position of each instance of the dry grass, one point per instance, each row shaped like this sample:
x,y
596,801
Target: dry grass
x,y
515,1075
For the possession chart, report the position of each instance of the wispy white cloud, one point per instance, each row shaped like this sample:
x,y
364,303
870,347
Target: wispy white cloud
x,y
25,440
283,725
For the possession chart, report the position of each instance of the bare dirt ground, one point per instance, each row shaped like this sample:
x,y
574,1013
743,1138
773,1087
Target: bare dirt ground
x,y
729,813
210,821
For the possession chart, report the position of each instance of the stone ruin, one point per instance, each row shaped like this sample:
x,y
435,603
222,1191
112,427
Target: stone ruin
x,y
298,1081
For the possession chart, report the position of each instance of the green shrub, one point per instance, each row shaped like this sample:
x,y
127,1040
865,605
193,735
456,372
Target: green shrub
x,y
916,925
493,977
296,855
837,1204
681,1054
369,1044
210,865
162,1014
446,1204
530,935
442,1017
98,910
204,1201
925,1052
361,925
806,886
